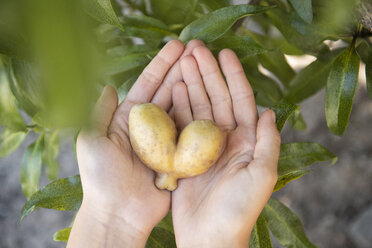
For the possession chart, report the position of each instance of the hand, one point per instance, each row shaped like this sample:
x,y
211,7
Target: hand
x,y
121,205
219,208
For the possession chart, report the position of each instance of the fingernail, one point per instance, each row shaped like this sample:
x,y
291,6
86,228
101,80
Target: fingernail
x,y
273,116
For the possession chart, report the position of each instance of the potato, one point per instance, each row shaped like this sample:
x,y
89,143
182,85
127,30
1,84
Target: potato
x,y
153,137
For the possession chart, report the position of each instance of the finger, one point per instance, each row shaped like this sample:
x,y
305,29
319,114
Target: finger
x,y
152,76
201,107
267,148
244,105
216,88
102,113
182,111
163,97
171,113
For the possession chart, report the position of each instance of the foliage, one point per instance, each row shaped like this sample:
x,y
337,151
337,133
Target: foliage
x,y
55,56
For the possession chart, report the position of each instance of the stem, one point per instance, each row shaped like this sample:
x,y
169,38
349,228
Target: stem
x,y
166,181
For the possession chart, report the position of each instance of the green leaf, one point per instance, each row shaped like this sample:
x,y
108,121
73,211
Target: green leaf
x,y
303,9
167,223
145,27
64,194
62,235
102,11
243,46
260,237
295,156
286,178
283,110
9,115
31,167
369,72
50,154
312,78
276,63
267,91
340,91
285,225
161,238
125,63
213,25
10,140
297,121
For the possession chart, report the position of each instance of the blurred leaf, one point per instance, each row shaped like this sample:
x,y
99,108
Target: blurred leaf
x,y
9,115
341,87
125,87
127,62
243,46
148,28
50,154
260,237
312,78
167,223
172,12
161,238
284,179
295,156
63,194
285,225
62,235
31,167
297,121
10,140
215,4
268,92
369,72
213,25
276,63
283,110
303,9
102,11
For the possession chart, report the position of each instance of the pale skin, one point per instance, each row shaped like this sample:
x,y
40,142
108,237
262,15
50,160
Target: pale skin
x,y
121,204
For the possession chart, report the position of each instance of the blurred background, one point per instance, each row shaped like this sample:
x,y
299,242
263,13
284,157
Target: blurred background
x,y
57,59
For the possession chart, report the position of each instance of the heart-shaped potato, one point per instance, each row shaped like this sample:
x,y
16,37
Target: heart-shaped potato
x,y
153,137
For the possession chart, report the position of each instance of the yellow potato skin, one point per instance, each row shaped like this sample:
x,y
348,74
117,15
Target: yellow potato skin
x,y
153,137
198,148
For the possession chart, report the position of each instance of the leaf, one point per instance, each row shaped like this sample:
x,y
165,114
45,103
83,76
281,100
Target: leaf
x,y
172,12
62,235
268,92
10,140
64,194
213,25
102,11
50,154
283,110
161,238
167,223
145,27
284,179
9,115
297,121
31,167
369,72
276,63
243,46
285,225
312,78
303,9
295,156
260,237
340,91
121,64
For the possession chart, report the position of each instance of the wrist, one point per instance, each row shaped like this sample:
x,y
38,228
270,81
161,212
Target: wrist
x,y
109,228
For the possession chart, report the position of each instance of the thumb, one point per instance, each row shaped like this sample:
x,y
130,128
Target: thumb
x,y
267,148
103,112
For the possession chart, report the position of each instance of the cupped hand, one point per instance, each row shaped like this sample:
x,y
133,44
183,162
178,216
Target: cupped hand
x,y
219,208
119,190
